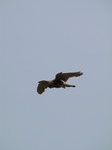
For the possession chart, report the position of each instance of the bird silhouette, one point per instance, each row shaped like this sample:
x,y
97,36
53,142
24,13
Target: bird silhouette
x,y
58,82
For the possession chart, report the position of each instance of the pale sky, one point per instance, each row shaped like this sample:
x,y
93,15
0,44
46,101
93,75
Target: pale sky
x,y
38,39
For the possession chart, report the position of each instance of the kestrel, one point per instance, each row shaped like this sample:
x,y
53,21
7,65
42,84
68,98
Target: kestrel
x,y
58,82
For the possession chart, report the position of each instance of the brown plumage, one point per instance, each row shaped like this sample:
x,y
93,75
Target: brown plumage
x,y
58,82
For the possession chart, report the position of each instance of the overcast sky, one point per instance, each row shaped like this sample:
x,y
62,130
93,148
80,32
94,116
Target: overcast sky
x,y
38,39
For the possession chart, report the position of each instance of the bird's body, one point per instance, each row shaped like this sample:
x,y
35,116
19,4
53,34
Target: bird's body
x,y
55,84
58,82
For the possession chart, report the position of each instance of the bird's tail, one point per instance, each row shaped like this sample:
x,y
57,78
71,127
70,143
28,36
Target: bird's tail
x,y
68,85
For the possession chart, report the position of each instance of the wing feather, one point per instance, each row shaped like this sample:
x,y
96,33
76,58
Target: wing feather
x,y
66,76
42,86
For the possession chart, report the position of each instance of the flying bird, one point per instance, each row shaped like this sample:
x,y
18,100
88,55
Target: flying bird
x,y
58,82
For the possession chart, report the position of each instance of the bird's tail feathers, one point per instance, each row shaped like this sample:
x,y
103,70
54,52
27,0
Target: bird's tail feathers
x,y
68,85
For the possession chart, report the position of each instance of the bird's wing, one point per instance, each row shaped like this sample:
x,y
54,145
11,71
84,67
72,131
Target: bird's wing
x,y
42,86
66,76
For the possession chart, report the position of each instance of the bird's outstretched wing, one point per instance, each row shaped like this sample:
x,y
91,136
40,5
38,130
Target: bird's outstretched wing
x,y
66,76
42,86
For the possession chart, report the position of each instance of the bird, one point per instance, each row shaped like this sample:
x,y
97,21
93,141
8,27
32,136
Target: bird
x,y
58,82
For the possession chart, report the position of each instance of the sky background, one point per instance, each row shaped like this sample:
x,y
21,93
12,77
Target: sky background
x,y
38,39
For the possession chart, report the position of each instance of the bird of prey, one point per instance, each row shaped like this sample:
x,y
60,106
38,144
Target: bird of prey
x,y
58,82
